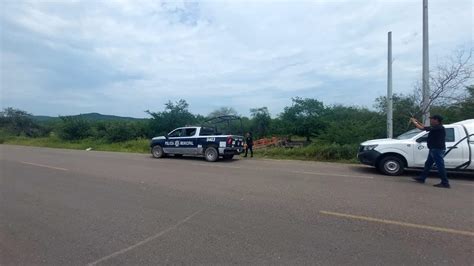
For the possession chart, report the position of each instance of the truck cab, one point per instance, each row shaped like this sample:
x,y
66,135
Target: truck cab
x,y
409,150
197,141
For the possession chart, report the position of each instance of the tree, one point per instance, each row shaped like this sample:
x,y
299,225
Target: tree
x,y
74,128
467,105
175,115
447,81
303,118
349,125
461,110
261,121
223,111
404,106
278,127
19,122
117,131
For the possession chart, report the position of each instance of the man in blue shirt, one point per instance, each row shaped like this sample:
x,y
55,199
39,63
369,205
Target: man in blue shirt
x,y
437,147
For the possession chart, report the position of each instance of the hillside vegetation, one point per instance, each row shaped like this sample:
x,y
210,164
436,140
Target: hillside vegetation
x,y
334,131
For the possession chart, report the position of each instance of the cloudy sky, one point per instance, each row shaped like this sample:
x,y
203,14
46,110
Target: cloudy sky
x,y
124,57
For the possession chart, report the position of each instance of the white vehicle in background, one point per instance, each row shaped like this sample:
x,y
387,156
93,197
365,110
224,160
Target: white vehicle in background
x,y
409,150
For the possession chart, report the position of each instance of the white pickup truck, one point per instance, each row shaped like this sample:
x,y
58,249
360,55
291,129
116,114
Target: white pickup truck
x,y
409,150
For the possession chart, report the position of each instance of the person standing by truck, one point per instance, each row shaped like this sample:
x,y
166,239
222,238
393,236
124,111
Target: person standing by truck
x,y
437,147
249,144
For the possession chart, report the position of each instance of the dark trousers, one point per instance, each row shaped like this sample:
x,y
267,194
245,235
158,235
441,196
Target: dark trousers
x,y
247,150
436,156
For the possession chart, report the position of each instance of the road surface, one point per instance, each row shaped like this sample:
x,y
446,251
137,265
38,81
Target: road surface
x,y
65,207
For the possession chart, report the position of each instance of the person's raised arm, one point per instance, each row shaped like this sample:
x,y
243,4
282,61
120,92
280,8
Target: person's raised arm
x,y
417,123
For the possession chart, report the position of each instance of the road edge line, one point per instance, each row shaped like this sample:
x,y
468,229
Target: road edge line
x,y
45,166
404,224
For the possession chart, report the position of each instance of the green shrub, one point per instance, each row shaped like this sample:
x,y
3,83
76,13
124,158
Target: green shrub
x,y
316,151
16,122
118,131
74,128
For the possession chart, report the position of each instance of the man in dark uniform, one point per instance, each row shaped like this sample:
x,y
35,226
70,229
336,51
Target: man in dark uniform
x,y
437,147
249,142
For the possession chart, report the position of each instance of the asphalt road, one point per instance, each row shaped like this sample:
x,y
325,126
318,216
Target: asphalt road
x,y
64,207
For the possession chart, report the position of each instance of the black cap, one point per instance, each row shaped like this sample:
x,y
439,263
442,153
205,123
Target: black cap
x,y
437,117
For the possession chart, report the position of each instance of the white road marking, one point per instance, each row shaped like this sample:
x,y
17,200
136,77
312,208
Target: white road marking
x,y
328,174
167,230
404,224
215,165
45,166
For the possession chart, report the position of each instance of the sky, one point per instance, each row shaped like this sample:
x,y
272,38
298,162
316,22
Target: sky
x,y
125,57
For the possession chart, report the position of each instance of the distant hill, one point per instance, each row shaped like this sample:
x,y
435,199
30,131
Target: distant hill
x,y
44,118
88,116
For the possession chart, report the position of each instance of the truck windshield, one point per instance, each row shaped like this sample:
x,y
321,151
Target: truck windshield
x,y
409,134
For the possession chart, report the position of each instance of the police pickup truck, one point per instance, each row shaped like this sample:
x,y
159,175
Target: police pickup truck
x,y
197,141
409,150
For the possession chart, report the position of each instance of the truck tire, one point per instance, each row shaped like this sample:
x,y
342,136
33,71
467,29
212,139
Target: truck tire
x,y
228,156
211,154
391,165
157,151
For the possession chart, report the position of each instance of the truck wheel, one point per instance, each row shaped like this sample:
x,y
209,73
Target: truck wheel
x,y
157,151
391,165
228,157
211,154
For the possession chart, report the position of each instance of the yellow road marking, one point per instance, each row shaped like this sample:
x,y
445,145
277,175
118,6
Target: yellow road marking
x,y
45,166
420,226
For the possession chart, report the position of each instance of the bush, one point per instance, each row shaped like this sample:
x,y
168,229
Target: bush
x,y
119,131
315,151
3,138
74,128
16,122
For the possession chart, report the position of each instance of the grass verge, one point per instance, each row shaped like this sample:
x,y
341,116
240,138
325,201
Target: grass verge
x,y
314,152
137,146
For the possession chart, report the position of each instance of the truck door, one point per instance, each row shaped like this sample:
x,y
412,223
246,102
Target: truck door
x,y
456,156
453,159
188,143
420,151
172,143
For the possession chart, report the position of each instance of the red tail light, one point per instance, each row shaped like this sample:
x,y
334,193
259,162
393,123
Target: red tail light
x,y
229,140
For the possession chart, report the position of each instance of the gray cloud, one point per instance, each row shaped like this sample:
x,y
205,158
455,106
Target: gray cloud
x,y
123,57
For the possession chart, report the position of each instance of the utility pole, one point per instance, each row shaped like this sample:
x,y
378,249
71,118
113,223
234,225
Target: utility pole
x,y
389,89
426,66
